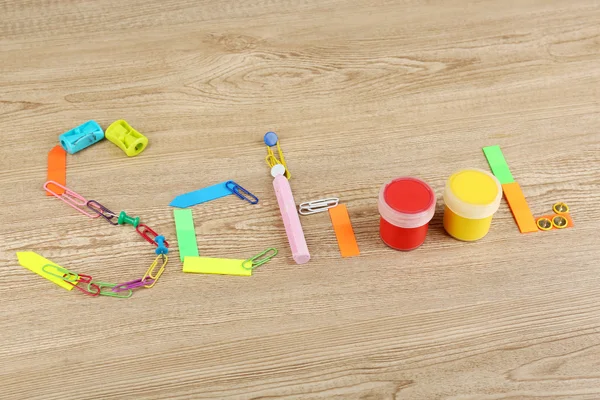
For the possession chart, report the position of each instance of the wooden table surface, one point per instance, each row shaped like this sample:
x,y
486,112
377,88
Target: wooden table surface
x,y
359,92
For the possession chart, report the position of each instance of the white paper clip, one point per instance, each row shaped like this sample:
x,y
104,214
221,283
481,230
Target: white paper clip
x,y
317,206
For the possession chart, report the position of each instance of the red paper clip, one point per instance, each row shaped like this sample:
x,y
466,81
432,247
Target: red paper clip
x,y
145,230
87,280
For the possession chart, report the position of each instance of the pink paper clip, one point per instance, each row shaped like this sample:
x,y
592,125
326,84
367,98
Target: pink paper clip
x,y
73,199
137,283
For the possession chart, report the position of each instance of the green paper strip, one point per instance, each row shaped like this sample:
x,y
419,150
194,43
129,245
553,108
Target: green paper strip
x,y
186,233
498,164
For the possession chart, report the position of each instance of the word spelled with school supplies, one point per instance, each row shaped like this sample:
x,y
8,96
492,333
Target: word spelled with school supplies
x,y
93,209
406,205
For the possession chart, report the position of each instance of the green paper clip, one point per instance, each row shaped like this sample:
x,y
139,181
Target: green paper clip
x,y
65,274
110,293
255,262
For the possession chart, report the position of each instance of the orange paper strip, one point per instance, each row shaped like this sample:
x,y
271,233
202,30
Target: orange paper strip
x,y
519,207
343,231
57,168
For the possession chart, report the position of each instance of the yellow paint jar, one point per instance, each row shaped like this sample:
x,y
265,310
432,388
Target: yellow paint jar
x,y
471,198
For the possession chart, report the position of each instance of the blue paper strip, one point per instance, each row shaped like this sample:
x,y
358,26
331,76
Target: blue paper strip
x,y
201,196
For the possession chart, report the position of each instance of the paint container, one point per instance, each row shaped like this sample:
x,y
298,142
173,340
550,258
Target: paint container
x,y
406,205
472,196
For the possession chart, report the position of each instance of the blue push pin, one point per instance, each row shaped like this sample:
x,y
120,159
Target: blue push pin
x,y
161,249
271,139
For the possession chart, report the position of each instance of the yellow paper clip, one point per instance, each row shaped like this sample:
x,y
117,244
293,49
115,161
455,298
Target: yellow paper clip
x,y
160,271
271,140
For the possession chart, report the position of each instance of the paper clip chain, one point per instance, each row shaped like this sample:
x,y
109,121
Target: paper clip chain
x,y
256,261
102,211
110,293
317,206
241,192
70,197
160,271
134,284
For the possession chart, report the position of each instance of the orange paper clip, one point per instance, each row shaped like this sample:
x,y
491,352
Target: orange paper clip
x,y
519,207
343,231
57,168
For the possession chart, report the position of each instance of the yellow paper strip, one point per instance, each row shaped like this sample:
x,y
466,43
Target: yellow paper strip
x,y
222,266
34,262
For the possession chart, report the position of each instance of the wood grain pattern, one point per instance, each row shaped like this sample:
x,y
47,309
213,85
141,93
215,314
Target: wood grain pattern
x,y
360,91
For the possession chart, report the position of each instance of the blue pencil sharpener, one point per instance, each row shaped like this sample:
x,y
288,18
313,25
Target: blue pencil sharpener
x,y
81,137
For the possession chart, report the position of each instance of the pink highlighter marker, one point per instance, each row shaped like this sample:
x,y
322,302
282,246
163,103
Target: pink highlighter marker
x,y
289,214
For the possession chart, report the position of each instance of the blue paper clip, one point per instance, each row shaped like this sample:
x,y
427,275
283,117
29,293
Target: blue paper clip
x,y
81,137
241,192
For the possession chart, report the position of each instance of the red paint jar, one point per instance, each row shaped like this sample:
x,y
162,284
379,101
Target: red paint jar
x,y
406,205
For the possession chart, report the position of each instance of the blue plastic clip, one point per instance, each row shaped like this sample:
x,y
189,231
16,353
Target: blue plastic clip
x,y
160,242
81,137
241,192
